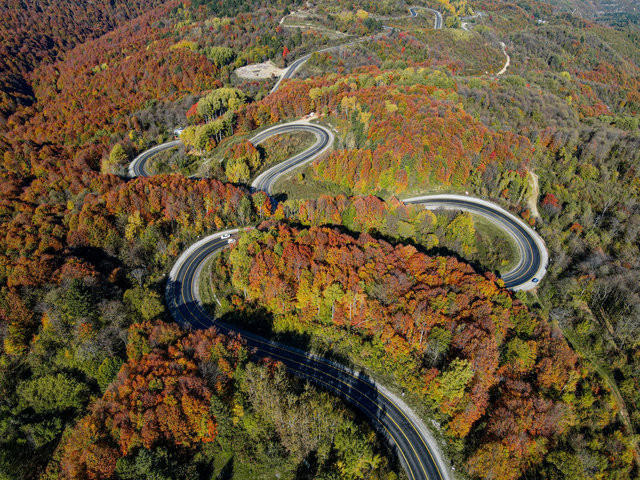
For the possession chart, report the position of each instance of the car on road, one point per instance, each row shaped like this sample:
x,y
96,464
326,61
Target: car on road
x,y
231,240
535,280
226,235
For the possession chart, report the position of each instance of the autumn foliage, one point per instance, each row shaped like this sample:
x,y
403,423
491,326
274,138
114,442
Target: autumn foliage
x,y
41,244
37,32
158,398
463,341
405,131
75,113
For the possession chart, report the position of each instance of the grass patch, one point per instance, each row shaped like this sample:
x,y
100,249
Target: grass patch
x,y
228,467
207,295
495,248
173,160
300,185
281,147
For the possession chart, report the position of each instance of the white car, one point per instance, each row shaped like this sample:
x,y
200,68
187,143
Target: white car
x,y
226,235
231,240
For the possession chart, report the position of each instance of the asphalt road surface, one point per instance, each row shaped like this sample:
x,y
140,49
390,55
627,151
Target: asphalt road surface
x,y
295,66
389,415
138,167
405,433
533,257
437,24
324,140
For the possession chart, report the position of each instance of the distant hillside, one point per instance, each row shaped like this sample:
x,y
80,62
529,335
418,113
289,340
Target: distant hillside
x,y
609,11
33,32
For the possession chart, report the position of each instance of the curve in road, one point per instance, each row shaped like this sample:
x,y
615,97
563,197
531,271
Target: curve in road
x,y
464,21
295,66
324,141
138,166
406,434
437,25
465,26
534,258
404,431
507,62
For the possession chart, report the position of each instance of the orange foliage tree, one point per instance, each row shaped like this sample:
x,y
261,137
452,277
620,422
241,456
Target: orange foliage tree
x,y
159,397
501,369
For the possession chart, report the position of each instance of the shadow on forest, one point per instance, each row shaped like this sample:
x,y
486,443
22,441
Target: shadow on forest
x,y
327,371
259,321
226,473
308,467
98,257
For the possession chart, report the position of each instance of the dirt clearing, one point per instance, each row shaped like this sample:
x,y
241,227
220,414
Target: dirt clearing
x,y
259,71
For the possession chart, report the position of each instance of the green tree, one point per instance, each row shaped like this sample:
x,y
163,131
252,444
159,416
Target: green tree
x,y
157,464
107,371
117,158
220,56
146,302
237,171
461,231
188,136
217,102
53,393
209,135
451,384
357,457
438,343
73,302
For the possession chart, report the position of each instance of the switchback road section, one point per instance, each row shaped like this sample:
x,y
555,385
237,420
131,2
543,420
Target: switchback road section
x,y
405,432
533,256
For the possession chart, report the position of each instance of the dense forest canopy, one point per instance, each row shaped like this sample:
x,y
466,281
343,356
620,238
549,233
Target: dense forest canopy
x,y
97,381
457,338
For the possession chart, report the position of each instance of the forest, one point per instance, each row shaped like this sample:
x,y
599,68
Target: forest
x,y
480,362
35,33
195,397
97,381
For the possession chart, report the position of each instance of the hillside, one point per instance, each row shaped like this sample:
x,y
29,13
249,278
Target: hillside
x,y
34,33
444,332
530,107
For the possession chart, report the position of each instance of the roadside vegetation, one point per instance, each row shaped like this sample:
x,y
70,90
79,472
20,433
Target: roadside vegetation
x,y
442,332
97,381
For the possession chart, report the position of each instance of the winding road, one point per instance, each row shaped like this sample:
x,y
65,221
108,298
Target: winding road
x,y
295,66
405,432
437,24
324,141
138,166
465,26
533,256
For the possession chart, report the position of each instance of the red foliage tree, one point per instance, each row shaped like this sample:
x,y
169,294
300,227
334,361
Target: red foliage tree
x,y
158,397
